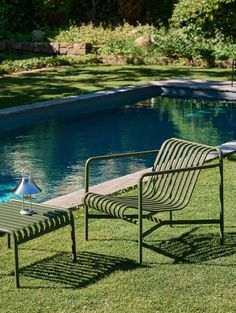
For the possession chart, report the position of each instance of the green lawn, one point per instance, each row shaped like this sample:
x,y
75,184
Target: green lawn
x,y
29,87
187,270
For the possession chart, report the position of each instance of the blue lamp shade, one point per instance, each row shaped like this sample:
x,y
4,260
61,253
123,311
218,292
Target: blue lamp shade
x,y
27,186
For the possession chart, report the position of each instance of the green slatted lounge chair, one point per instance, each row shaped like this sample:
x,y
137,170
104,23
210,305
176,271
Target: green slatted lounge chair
x,y
167,188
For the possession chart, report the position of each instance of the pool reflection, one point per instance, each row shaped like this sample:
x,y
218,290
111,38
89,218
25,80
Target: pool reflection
x,y
56,151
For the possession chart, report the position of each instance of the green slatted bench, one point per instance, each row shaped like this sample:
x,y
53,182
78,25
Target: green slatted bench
x,y
22,228
167,188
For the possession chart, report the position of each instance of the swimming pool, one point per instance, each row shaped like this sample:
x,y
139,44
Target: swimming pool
x,y
56,150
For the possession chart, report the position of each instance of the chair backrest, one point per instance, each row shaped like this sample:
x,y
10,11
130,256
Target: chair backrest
x,y
175,189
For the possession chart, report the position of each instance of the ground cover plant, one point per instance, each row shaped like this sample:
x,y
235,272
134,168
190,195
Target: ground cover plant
x,y
11,62
30,87
185,267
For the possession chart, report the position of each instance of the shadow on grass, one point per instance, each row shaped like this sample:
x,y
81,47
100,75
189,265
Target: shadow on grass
x,y
74,80
195,248
89,268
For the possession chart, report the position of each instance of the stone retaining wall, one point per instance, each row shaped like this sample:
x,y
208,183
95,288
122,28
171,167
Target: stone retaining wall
x,y
166,61
79,49
47,47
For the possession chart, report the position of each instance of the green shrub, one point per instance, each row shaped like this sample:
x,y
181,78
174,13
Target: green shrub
x,y
190,43
209,16
10,63
15,16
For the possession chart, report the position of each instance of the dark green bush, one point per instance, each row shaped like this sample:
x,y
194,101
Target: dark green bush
x,y
131,10
10,62
210,16
15,16
190,43
158,12
52,13
94,11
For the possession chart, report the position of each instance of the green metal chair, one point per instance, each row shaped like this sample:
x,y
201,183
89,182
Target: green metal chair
x,y
167,188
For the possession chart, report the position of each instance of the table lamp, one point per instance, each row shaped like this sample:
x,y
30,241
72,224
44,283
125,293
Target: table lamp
x,y
26,188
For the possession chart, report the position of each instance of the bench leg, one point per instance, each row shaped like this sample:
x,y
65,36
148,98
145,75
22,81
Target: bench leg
x,y
73,239
16,263
86,222
171,219
8,241
140,236
221,192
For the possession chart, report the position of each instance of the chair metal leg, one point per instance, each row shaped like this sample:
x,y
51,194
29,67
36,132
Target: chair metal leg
x,y
140,227
86,222
221,228
73,238
221,191
140,238
16,263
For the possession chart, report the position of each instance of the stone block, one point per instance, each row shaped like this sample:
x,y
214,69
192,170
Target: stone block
x,y
15,46
66,45
2,45
37,47
78,49
63,50
54,47
142,41
27,46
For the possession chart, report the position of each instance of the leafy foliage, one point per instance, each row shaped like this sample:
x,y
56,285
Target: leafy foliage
x,y
109,40
52,13
95,11
209,16
158,12
14,16
190,43
131,10
9,63
199,30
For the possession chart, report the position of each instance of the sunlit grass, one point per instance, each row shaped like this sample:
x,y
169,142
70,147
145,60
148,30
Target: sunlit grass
x,y
189,271
30,87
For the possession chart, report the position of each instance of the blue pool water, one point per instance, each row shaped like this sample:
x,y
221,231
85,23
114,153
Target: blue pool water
x,y
56,151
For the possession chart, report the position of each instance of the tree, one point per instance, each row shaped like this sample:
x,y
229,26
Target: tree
x,y
15,15
131,10
158,12
209,16
52,13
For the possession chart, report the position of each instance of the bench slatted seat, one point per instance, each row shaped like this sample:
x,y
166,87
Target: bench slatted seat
x,y
22,228
167,188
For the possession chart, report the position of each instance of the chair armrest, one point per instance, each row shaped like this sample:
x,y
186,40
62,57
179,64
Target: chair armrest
x,y
112,156
120,155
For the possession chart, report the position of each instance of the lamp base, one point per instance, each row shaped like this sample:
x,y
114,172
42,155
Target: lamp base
x,y
26,212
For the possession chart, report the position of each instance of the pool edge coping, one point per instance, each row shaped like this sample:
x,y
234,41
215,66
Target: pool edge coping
x,y
184,83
